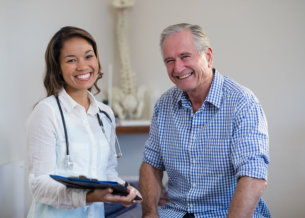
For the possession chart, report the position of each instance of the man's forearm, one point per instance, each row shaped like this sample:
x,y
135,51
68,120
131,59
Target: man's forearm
x,y
246,196
151,186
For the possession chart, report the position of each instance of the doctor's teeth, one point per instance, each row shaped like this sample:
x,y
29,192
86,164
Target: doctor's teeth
x,y
83,76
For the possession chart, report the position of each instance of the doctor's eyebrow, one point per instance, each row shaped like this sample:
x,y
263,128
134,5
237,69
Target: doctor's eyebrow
x,y
71,55
88,51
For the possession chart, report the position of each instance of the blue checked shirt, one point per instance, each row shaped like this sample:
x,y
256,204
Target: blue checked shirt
x,y
204,153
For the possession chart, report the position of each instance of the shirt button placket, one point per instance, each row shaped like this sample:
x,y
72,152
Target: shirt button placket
x,y
192,151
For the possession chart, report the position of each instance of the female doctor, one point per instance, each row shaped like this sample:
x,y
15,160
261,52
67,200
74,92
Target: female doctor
x,y
64,132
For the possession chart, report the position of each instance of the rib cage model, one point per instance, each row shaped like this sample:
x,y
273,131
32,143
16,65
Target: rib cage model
x,y
127,100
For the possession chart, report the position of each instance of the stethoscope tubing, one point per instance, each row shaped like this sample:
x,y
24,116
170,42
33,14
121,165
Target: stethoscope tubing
x,y
64,124
100,123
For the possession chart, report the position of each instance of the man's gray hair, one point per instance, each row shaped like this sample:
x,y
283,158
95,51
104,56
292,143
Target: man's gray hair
x,y
201,41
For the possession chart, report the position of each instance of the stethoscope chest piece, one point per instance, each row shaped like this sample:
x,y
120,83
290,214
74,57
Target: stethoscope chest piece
x,y
68,162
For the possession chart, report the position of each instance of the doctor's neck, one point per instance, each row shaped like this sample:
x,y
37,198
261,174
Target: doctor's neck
x,y
80,96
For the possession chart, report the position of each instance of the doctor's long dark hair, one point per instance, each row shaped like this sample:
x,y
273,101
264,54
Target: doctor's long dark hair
x,y
53,80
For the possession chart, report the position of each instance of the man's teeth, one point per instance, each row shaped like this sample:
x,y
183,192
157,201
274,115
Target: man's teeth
x,y
185,76
84,76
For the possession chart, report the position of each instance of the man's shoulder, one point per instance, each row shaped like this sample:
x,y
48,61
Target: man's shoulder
x,y
172,95
235,91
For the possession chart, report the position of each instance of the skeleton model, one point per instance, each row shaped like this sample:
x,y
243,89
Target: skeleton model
x,y
127,100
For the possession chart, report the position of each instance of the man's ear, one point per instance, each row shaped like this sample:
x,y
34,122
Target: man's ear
x,y
209,57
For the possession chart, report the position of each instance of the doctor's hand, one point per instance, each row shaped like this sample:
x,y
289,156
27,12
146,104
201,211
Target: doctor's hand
x,y
105,195
133,192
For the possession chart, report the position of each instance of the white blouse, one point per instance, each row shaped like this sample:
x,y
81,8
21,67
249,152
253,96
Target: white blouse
x,y
89,149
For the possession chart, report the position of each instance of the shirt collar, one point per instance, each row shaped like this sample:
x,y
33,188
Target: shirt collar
x,y
214,96
184,100
69,104
93,109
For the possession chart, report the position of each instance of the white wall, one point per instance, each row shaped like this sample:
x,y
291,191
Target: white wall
x,y
12,189
258,43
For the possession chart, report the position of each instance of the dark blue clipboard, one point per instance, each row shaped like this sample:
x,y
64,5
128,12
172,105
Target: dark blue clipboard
x,y
81,183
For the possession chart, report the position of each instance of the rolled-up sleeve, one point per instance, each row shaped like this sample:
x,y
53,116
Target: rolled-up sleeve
x,y
152,149
250,145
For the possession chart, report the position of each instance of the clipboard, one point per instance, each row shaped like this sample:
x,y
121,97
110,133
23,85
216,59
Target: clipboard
x,y
82,183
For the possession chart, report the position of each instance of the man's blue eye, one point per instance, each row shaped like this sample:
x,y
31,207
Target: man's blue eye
x,y
89,56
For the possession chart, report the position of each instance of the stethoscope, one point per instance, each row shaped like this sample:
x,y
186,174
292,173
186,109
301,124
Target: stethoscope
x,y
68,160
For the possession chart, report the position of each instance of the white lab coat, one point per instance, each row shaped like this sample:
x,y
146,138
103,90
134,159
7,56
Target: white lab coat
x,y
90,152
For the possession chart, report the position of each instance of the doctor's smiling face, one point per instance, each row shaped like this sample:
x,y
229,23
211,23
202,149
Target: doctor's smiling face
x,y
79,64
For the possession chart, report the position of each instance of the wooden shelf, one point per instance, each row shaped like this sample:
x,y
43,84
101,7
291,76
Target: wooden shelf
x,y
132,129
